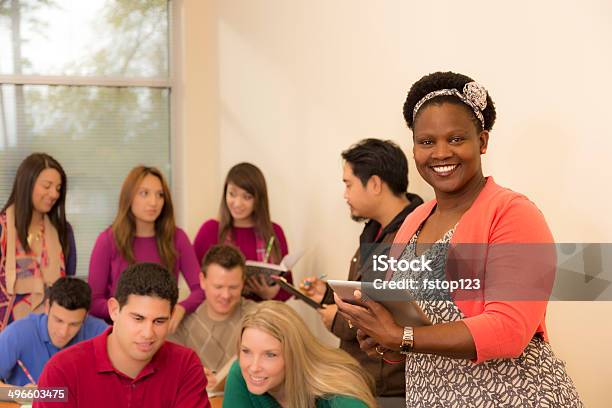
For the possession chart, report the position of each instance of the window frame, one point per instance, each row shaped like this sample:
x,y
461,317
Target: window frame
x,y
170,82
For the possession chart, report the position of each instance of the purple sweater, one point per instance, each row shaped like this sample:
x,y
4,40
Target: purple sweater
x,y
244,238
106,265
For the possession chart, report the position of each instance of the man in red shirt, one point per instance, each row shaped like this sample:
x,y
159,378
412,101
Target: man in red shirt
x,y
131,364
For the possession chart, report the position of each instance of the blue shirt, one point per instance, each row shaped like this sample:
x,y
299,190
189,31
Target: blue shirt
x,y
28,340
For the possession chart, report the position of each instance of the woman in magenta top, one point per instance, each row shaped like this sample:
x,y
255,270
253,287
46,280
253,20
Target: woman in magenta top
x,y
143,231
244,220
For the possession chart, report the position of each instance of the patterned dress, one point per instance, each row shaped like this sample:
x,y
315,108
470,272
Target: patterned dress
x,y
535,379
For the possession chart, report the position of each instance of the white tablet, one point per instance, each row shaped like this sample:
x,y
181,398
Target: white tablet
x,y
345,289
400,302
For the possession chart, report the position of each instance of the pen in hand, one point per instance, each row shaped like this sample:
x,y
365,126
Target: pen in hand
x,y
308,283
26,371
269,249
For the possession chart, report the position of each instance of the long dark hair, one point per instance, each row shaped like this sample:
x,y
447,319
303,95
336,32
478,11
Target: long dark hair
x,y
248,177
21,195
124,225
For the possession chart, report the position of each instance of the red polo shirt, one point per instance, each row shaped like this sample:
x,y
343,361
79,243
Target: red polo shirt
x,y
173,378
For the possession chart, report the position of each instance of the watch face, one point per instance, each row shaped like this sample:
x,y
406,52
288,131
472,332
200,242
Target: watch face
x,y
407,341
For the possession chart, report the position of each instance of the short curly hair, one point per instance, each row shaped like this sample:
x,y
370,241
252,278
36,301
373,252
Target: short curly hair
x,y
147,279
70,293
445,80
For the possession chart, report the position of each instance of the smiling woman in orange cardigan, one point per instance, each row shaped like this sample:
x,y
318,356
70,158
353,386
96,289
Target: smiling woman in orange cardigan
x,y
501,322
487,346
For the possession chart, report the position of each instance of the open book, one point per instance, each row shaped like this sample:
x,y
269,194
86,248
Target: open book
x,y
254,268
221,375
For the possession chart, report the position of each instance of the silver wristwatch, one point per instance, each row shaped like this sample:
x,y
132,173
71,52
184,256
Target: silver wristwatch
x,y
407,340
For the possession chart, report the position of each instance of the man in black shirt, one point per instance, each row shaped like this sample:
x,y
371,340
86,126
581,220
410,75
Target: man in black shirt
x,y
375,175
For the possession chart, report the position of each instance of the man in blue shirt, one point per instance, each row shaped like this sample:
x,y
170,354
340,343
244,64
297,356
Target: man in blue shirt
x,y
27,344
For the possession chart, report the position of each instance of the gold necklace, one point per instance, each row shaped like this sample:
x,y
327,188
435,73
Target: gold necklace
x,y
35,237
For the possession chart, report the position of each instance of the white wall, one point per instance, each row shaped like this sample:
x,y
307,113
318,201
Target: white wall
x,y
288,85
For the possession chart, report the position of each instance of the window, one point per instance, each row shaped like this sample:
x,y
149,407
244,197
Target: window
x,y
87,82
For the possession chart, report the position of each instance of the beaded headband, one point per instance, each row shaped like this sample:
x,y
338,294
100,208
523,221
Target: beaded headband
x,y
474,95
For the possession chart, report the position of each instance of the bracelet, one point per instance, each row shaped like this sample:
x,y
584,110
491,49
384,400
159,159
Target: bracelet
x,y
382,355
392,361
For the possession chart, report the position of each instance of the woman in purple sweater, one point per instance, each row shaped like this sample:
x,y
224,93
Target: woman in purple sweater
x,y
244,220
143,231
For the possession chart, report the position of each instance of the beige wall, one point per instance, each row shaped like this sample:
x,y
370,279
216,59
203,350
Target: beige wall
x,y
195,112
288,85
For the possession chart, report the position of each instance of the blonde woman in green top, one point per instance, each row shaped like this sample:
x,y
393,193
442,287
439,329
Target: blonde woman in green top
x,y
281,364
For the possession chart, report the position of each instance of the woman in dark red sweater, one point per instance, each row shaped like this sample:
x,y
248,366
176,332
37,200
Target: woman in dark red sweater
x,y
244,220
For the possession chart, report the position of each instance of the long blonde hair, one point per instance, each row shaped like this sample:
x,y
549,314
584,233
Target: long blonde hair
x,y
312,370
124,226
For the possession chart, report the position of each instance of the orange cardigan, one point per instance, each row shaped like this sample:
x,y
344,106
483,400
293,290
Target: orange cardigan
x,y
501,327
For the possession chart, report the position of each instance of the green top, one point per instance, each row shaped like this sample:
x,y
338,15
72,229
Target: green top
x,y
237,395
